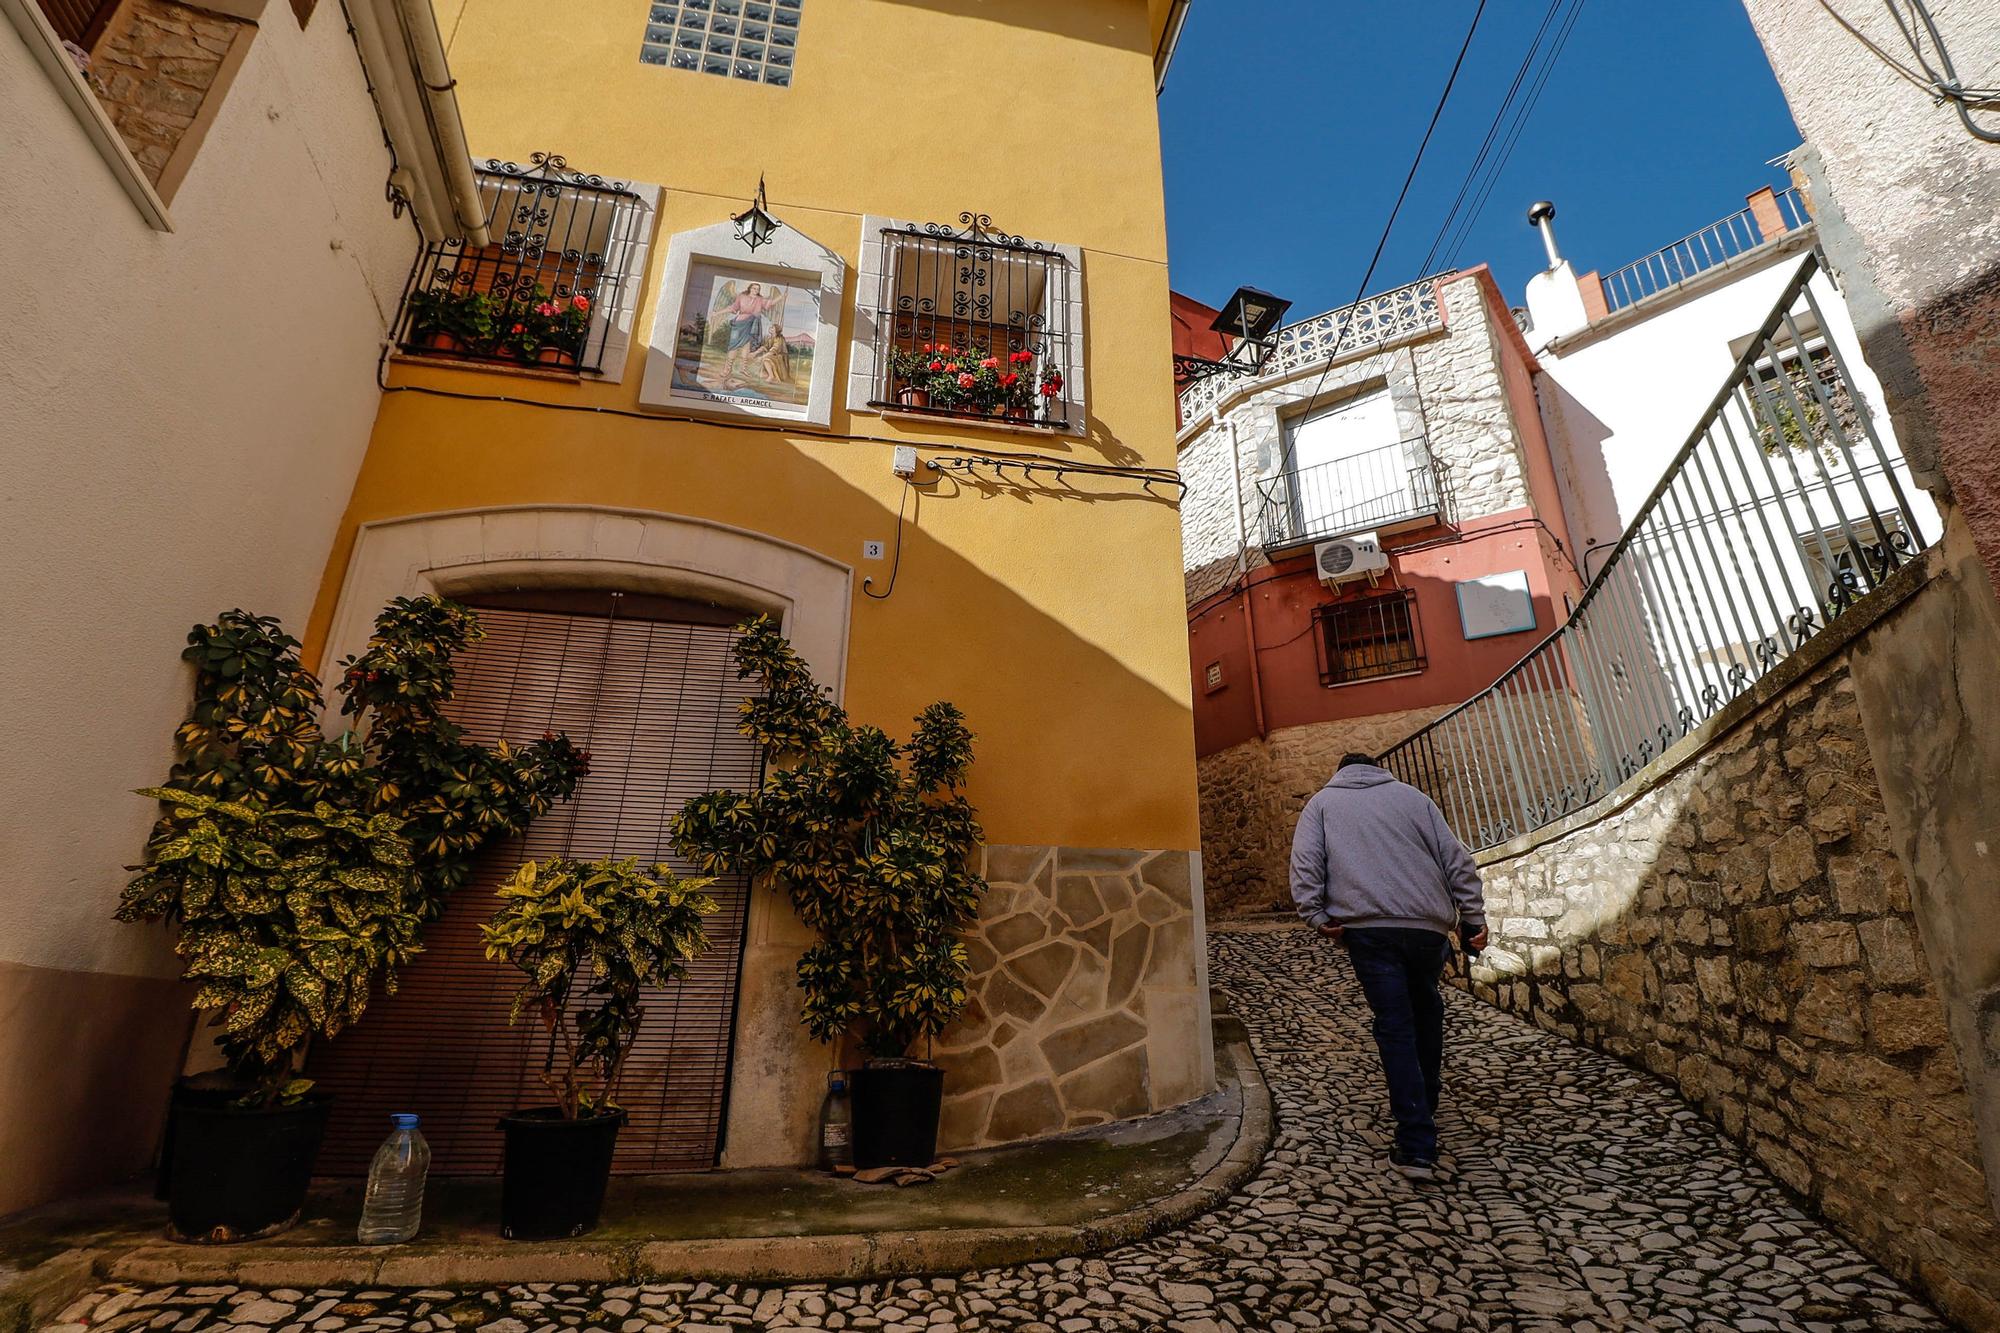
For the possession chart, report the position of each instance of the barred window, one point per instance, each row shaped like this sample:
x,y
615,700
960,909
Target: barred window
x,y
976,323
752,40
1369,638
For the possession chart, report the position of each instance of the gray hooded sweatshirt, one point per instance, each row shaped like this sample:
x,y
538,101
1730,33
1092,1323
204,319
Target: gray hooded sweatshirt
x,y
1372,851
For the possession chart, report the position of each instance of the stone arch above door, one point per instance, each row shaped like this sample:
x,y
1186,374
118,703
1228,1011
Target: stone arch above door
x,y
459,552
778,1072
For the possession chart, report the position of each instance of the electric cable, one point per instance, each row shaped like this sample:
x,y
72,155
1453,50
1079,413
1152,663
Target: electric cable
x,y
1523,115
1940,81
1361,289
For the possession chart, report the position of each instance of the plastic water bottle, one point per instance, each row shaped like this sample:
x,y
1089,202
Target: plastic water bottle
x,y
393,1208
836,1123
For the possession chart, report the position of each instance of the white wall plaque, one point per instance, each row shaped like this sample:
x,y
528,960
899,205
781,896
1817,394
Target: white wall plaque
x,y
746,335
1495,604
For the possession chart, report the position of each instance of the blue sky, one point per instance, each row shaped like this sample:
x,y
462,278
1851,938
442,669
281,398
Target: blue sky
x,y
1288,126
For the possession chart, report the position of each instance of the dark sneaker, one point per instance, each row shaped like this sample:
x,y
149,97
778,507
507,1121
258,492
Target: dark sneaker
x,y
1416,1168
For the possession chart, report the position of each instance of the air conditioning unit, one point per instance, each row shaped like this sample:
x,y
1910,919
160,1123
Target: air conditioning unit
x,y
1348,558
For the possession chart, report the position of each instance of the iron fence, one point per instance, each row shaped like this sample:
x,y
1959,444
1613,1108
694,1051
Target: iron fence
x,y
549,288
1785,505
1696,252
1375,488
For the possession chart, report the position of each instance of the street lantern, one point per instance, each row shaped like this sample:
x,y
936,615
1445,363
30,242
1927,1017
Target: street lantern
x,y
755,225
1251,319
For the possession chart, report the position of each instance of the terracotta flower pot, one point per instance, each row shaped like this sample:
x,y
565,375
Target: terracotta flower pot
x,y
1019,413
913,397
437,340
555,356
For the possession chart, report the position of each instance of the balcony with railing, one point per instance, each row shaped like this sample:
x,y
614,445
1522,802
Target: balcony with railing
x,y
1395,486
546,292
1365,326
1768,215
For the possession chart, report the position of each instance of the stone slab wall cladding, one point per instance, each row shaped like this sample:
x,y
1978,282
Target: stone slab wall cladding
x,y
1088,991
1251,795
153,68
1743,929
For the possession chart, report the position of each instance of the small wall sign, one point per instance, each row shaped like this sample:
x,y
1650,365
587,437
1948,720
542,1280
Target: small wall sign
x,y
1212,678
1493,604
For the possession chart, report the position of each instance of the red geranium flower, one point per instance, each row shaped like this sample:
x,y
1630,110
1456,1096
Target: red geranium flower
x,y
580,302
991,363
937,365
1007,381
517,328
1019,357
966,381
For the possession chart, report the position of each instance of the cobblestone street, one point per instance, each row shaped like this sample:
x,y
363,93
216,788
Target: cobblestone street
x,y
1586,1196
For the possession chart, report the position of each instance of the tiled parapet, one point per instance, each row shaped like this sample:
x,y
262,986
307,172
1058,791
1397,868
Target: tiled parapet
x,y
1089,999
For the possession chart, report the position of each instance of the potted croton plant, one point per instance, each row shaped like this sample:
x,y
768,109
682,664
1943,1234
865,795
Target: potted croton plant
x,y
288,918
873,842
299,869
618,929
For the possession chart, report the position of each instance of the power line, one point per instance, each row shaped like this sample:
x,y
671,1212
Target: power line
x,y
1472,174
1437,113
1525,112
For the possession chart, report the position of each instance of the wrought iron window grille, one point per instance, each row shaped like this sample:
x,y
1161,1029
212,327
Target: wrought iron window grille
x,y
549,289
1369,638
975,323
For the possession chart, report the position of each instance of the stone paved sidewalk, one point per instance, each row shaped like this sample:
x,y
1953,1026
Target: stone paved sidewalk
x,y
1588,1197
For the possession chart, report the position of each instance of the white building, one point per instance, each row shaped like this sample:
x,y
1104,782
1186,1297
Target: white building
x,y
230,211
1630,362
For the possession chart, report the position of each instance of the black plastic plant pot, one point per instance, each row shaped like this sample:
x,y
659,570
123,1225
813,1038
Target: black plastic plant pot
x,y
896,1104
236,1172
552,1182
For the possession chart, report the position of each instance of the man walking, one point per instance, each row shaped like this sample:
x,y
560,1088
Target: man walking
x,y
1374,869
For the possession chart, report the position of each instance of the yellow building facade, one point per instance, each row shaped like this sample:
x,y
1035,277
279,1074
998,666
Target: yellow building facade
x,y
913,151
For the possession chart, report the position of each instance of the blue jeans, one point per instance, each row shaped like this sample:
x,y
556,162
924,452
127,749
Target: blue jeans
x,y
1398,969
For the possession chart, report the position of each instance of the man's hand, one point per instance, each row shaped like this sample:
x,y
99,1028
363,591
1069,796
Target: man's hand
x,y
1477,944
1332,932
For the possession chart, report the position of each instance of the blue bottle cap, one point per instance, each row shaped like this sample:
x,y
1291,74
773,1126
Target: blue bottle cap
x,y
403,1120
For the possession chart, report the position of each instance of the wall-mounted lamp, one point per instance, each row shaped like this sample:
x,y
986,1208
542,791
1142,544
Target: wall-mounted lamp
x,y
755,225
1251,319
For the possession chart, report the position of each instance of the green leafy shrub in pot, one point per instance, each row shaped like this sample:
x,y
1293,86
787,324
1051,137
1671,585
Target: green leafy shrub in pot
x,y
300,870
618,929
871,841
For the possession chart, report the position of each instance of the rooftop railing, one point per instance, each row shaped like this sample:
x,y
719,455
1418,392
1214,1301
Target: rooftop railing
x,y
1350,329
1785,506
1699,251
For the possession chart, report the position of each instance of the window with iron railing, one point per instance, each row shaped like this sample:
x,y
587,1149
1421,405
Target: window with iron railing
x,y
551,287
975,323
1369,638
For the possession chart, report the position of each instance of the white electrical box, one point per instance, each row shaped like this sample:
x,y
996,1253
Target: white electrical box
x,y
905,464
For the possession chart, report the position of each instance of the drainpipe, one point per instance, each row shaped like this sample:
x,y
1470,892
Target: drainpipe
x,y
1256,670
420,30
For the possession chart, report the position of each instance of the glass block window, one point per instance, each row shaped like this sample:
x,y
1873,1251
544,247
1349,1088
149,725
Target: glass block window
x,y
752,40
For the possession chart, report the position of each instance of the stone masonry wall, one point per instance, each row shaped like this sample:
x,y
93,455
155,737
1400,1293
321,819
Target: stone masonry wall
x,y
1743,929
1251,795
154,66
1089,995
1454,373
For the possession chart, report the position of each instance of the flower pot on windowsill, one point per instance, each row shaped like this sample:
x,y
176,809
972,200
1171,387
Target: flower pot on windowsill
x,y
437,340
554,1172
910,396
555,356
896,1107
1019,412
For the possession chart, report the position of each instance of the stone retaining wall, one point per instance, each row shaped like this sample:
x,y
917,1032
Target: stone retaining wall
x,y
1744,930
1251,795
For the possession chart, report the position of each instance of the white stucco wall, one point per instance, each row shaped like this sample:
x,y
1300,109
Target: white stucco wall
x,y
184,416
1619,405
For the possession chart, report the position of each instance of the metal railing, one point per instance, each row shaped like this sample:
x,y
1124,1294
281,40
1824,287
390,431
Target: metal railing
x,y
1350,329
1392,484
1696,252
1785,506
550,287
